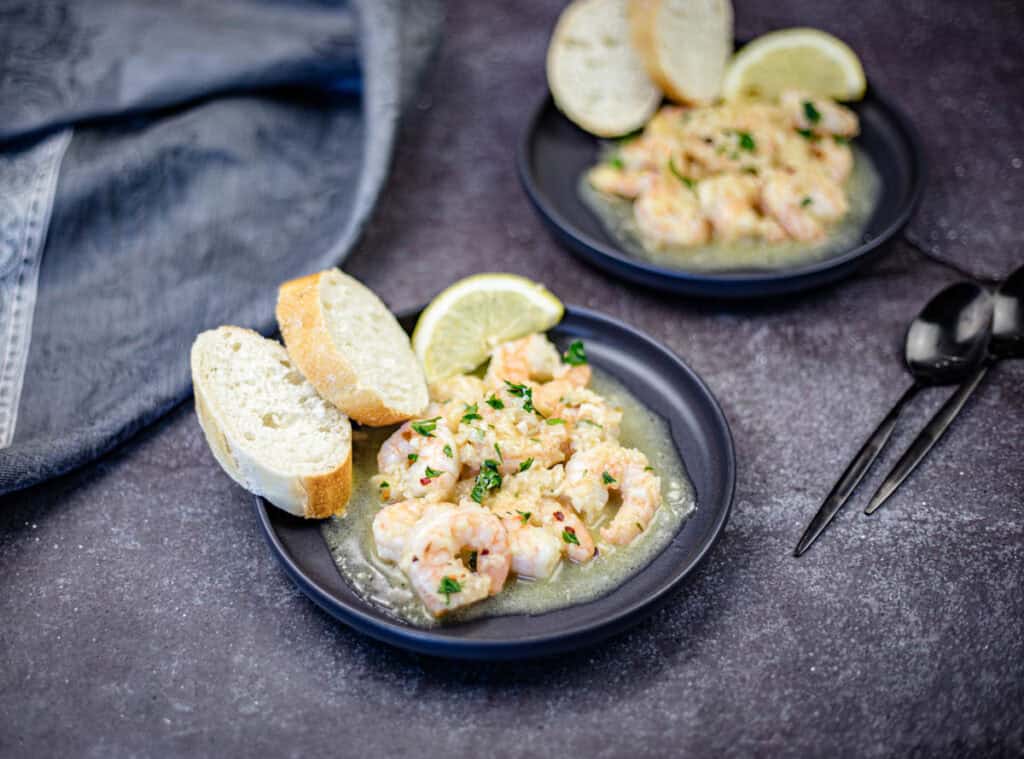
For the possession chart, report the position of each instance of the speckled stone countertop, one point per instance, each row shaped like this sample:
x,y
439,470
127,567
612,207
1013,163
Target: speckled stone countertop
x,y
142,614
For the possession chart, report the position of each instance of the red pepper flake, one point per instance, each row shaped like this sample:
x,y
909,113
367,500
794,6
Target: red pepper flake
x,y
571,530
484,552
559,516
424,480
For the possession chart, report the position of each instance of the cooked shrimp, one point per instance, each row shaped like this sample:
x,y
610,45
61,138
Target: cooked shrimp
x,y
530,358
732,139
591,474
590,418
433,558
612,180
505,428
535,551
529,487
802,202
393,524
420,460
729,202
836,158
641,497
572,534
793,151
651,151
583,485
668,214
820,115
577,376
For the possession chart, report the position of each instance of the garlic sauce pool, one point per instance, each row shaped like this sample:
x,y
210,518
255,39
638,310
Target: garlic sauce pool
x,y
350,537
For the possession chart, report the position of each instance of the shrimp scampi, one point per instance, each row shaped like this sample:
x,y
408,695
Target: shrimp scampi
x,y
711,173
508,476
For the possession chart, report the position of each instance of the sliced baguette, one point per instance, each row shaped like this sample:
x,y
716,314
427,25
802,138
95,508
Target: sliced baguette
x,y
596,77
266,425
350,347
685,45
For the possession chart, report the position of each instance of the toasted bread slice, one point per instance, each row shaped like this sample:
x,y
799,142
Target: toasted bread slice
x,y
350,347
596,77
266,425
685,45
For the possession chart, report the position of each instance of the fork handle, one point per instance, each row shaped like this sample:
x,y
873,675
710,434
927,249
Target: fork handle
x,y
925,439
855,472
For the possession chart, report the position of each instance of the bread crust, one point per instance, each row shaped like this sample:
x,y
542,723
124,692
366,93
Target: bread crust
x,y
313,497
328,494
644,25
300,317
641,15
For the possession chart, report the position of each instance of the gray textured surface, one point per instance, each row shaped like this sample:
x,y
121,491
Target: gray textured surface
x,y
140,611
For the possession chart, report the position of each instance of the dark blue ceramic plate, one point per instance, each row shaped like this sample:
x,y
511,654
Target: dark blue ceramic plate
x,y
554,153
668,387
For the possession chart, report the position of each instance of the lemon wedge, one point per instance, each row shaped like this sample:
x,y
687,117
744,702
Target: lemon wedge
x,y
457,331
802,59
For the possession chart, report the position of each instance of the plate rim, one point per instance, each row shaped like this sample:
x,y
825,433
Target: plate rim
x,y
436,642
611,258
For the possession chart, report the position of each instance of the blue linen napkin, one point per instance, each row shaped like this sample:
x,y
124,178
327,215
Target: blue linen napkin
x,y
163,165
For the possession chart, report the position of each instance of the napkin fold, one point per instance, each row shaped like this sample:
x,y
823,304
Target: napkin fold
x,y
163,165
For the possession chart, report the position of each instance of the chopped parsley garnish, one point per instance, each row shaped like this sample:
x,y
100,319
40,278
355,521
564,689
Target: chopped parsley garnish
x,y
495,402
812,114
607,478
524,515
431,473
425,427
747,142
554,420
591,423
448,451
413,457
524,392
497,449
487,480
526,465
472,561
570,537
616,162
472,412
384,484
840,140
576,354
648,468
807,134
448,586
806,202
690,184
